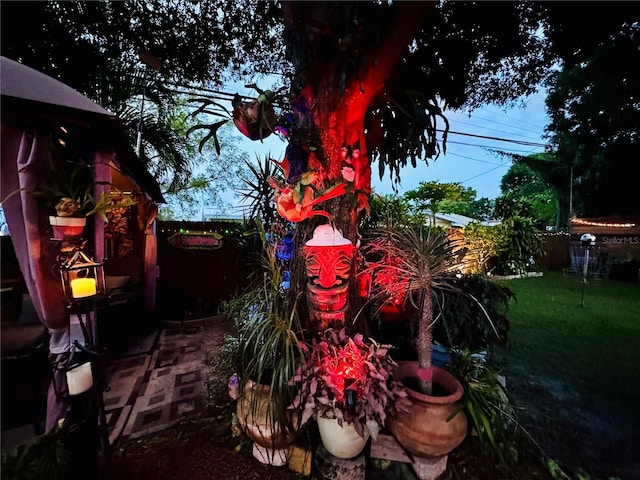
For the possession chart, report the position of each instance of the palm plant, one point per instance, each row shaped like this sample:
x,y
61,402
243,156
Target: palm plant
x,y
412,263
141,104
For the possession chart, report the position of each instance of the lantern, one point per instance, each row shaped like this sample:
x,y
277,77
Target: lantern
x,y
81,277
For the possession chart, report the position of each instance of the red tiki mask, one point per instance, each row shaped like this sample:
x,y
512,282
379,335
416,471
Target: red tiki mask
x,y
329,266
328,257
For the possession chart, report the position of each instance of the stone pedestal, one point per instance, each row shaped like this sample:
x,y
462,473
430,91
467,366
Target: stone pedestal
x,y
429,468
385,447
334,468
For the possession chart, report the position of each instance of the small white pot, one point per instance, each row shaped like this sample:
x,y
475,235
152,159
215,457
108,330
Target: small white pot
x,y
341,441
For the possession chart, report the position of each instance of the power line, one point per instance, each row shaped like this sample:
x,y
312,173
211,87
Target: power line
x,y
227,96
533,135
537,127
480,174
488,147
477,160
519,142
516,119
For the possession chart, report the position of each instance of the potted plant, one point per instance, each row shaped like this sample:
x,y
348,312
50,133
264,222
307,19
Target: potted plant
x,y
268,353
70,195
413,263
347,385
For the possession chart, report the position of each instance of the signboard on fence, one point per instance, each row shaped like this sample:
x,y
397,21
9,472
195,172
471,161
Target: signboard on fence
x,y
190,240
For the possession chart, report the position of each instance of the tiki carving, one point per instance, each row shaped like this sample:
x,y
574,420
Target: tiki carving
x,y
328,258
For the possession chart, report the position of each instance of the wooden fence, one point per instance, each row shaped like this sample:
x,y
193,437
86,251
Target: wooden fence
x,y
199,266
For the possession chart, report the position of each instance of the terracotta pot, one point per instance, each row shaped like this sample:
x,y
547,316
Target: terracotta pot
x,y
67,228
425,431
269,445
341,441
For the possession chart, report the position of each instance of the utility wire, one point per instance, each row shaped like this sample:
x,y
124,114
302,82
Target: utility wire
x,y
227,96
526,130
479,161
530,132
519,142
488,147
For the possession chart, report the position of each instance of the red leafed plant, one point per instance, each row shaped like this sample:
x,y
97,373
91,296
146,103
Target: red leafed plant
x,y
349,379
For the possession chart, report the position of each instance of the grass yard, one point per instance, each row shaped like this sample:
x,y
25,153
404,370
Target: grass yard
x,y
579,364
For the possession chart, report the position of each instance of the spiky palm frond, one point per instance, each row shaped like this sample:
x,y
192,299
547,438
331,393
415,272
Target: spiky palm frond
x,y
142,104
410,263
416,260
258,192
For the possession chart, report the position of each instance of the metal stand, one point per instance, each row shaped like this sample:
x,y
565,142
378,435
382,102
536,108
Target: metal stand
x,y
83,394
83,310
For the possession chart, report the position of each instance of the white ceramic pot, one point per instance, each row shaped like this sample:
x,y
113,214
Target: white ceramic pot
x,y
341,441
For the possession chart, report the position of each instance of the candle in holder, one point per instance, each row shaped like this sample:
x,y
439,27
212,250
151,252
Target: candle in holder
x,y
83,287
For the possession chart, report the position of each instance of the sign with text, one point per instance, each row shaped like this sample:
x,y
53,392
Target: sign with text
x,y
196,240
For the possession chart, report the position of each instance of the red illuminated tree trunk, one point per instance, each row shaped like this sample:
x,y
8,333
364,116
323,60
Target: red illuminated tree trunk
x,y
339,118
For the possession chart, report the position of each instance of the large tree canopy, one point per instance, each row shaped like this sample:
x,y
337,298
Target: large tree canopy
x,y
368,81
429,56
195,41
594,111
460,54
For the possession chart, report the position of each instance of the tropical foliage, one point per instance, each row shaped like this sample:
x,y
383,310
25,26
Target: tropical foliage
x,y
257,191
411,264
473,313
528,178
434,197
483,244
593,121
269,336
349,379
493,418
521,244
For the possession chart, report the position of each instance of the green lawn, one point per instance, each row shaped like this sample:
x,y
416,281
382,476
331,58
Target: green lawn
x,y
594,348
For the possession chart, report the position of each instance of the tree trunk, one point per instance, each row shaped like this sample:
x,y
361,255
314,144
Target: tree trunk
x,y
425,339
338,121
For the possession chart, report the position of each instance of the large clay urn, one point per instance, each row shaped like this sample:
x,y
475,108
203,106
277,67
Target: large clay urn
x,y
270,445
426,430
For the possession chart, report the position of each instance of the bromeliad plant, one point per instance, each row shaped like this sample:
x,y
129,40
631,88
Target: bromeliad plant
x,y
67,191
349,379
